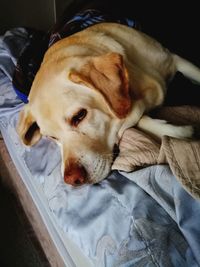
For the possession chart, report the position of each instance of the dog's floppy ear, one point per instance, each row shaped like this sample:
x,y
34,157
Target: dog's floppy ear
x,y
27,127
108,75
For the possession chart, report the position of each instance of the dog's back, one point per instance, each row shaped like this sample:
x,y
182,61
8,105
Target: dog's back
x,y
150,65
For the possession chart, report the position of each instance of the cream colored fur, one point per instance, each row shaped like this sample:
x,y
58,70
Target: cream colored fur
x,y
91,87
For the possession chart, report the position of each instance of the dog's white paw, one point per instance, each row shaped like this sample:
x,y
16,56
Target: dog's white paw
x,y
159,128
180,132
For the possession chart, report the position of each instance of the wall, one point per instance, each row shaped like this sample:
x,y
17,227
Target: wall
x,y
39,14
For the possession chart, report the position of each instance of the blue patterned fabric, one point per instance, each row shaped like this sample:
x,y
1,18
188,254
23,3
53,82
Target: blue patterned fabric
x,y
139,219
83,20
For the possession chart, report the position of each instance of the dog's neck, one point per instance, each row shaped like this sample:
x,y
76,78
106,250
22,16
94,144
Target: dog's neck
x,y
96,45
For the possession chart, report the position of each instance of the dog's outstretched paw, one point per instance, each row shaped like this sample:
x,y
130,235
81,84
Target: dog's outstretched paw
x,y
158,128
181,132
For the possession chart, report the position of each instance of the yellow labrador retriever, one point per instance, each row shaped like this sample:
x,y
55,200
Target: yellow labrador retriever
x,y
91,87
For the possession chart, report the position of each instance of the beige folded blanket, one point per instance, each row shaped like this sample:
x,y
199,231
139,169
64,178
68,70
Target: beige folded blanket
x,y
138,149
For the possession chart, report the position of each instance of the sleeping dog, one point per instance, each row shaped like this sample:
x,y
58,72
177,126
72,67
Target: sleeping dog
x,y
91,87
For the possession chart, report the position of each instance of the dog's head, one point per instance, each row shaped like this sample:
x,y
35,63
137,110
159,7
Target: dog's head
x,y
81,103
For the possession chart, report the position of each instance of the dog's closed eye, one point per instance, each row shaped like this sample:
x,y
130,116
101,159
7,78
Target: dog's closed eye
x,y
78,117
53,137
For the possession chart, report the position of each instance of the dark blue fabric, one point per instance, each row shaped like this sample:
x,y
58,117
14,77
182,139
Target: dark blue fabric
x,y
31,58
22,96
85,19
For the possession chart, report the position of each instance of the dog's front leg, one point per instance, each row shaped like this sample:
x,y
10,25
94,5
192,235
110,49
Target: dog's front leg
x,y
132,119
158,128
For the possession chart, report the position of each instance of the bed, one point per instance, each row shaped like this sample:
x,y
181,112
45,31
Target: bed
x,y
143,214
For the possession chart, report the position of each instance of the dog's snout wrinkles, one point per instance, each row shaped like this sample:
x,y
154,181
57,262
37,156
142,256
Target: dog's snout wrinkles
x,y
75,175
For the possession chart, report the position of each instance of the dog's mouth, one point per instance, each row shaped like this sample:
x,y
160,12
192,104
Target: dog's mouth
x,y
115,152
79,174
